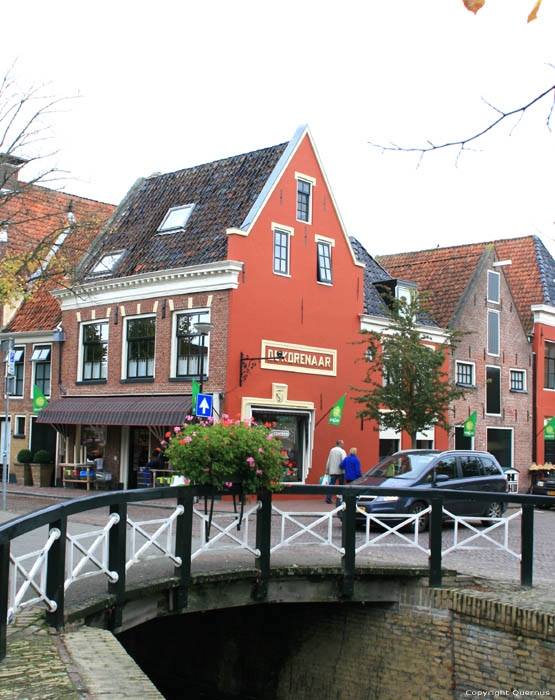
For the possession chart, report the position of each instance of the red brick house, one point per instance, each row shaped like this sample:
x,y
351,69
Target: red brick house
x,y
252,245
33,214
501,294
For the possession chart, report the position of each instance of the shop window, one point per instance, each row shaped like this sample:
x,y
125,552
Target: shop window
x,y
41,368
465,373
304,200
549,366
387,447
518,380
493,332
293,431
94,351
93,444
191,346
493,390
140,347
281,252
493,286
324,262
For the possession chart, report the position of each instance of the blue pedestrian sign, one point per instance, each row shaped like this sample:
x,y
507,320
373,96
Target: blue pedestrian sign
x,y
203,405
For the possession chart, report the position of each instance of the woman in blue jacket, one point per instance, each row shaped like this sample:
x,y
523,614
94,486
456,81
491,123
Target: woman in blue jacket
x,y
351,465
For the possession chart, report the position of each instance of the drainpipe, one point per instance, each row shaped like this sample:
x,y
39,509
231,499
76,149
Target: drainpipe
x,y
59,337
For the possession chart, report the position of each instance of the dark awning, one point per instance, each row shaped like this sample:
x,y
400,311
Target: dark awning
x,y
117,410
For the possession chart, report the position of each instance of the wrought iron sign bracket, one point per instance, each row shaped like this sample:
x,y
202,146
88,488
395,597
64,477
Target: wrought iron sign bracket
x,y
247,363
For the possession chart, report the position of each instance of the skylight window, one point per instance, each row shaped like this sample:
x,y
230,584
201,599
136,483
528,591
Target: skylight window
x,y
176,218
107,263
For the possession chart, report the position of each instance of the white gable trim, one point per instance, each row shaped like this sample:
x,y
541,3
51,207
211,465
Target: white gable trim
x,y
380,324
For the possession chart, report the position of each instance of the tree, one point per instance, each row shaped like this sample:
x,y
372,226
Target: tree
x,y
475,5
36,220
407,387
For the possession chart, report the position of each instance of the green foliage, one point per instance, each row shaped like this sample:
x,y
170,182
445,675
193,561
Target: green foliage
x,y
407,387
42,457
226,453
25,456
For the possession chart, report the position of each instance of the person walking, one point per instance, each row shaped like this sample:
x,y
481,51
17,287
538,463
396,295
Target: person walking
x,y
351,465
333,469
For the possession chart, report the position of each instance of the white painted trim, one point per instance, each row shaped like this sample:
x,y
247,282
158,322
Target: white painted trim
x,y
80,348
307,178
500,263
486,390
126,320
511,430
33,365
187,280
301,349
466,362
380,324
173,355
522,371
498,313
282,227
324,239
498,275
543,313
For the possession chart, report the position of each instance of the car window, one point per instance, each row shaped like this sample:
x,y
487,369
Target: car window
x,y
471,467
402,466
489,467
447,466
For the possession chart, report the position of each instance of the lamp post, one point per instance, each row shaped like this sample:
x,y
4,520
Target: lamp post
x,y
8,348
204,329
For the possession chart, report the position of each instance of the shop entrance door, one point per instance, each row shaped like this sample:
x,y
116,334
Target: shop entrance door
x,y
293,431
139,453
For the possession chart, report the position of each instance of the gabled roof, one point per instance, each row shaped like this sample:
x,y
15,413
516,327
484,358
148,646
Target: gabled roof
x,y
223,193
445,273
373,272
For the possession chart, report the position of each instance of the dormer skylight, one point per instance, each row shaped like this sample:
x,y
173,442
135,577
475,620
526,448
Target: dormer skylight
x,y
176,219
107,263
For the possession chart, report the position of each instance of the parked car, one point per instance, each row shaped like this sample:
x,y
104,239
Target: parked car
x,y
543,481
460,470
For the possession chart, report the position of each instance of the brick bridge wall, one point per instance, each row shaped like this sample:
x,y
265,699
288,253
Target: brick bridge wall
x,y
432,645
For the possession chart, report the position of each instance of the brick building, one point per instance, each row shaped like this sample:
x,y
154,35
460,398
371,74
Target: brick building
x,y
252,245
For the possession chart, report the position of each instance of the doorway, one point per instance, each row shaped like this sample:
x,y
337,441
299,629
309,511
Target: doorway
x,y
140,449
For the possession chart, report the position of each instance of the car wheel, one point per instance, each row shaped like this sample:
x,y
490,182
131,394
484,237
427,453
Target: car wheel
x,y
424,520
494,510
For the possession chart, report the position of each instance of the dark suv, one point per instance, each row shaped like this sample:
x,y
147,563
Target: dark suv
x,y
460,470
544,484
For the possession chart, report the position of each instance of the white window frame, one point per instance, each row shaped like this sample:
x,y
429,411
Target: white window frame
x,y
173,358
81,360
470,364
511,430
102,268
16,433
34,364
491,274
309,181
290,232
17,349
124,347
186,208
525,382
330,242
492,313
486,391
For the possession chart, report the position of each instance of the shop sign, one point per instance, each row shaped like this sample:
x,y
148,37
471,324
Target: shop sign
x,y
287,357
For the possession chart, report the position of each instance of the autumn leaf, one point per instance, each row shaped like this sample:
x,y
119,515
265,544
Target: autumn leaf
x,y
532,16
475,5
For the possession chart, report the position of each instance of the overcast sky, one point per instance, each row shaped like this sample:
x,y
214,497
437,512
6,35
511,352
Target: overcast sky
x,y
170,85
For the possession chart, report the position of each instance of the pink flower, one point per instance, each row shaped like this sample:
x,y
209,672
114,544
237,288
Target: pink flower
x,y
188,439
259,471
270,436
189,418
176,429
228,484
260,449
250,460
163,442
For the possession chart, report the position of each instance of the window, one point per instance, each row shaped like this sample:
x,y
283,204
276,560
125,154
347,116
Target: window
x,y
18,365
324,262
462,441
281,252
176,218
140,347
493,332
192,347
304,203
95,351
493,390
41,368
500,444
489,467
549,369
107,263
19,428
465,373
518,380
493,286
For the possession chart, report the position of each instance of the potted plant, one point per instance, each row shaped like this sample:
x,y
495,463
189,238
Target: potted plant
x,y
22,468
225,454
42,468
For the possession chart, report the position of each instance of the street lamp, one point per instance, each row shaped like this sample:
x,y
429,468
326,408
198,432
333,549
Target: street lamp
x,y
203,328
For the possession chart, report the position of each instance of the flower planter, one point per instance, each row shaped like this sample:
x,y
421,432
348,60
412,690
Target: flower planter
x,y
23,474
42,474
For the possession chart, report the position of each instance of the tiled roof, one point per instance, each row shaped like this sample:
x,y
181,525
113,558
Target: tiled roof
x,y
222,192
373,272
445,273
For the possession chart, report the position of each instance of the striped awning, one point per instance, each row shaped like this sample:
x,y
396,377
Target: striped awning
x,y
117,410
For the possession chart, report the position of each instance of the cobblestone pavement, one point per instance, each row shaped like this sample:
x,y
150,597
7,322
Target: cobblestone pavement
x,y
84,663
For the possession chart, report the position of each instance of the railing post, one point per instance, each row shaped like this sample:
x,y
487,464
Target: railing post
x,y
4,595
183,546
263,544
527,545
56,573
348,541
436,531
117,557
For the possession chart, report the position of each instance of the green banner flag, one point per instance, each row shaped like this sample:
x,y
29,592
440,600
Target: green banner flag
x,y
470,425
39,399
337,411
549,429
196,391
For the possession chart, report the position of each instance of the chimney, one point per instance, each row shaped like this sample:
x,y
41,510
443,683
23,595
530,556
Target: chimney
x,y
9,171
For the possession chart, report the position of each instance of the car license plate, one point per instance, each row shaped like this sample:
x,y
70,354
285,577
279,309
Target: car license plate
x,y
551,493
